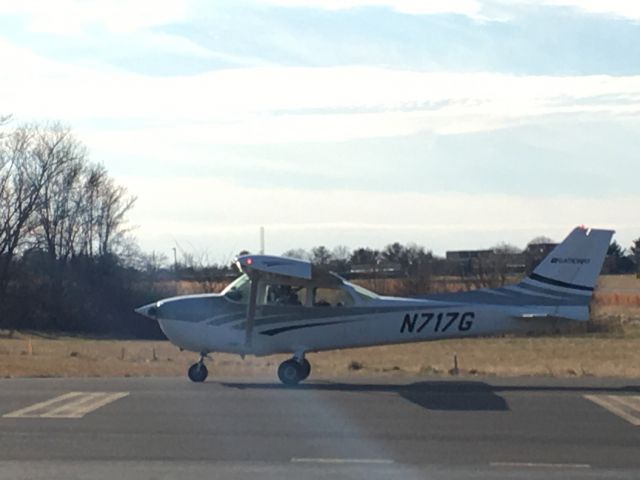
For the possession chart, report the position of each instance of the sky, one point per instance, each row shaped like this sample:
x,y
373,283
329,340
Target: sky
x,y
453,124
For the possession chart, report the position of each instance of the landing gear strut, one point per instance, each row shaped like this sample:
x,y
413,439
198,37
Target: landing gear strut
x,y
198,371
294,370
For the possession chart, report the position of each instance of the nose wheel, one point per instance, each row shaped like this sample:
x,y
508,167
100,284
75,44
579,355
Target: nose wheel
x,y
198,371
293,371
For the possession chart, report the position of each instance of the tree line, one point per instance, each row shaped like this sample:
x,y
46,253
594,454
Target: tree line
x,y
405,259
63,233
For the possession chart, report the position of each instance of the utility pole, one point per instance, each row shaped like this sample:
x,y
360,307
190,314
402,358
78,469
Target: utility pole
x,y
175,269
175,260
261,240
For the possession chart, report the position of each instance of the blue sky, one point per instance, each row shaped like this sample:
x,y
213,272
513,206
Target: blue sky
x,y
455,124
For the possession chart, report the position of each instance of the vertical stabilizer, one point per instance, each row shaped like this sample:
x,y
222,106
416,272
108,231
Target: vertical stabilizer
x,y
574,265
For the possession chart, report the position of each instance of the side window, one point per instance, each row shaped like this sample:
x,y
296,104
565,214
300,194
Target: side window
x,y
275,294
332,297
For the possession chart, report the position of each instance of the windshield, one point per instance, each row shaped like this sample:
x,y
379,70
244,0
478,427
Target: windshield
x,y
238,290
364,294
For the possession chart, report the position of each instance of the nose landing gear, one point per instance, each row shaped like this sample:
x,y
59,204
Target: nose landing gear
x,y
293,371
198,371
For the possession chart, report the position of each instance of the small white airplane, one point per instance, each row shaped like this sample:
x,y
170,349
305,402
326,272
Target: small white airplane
x,y
285,305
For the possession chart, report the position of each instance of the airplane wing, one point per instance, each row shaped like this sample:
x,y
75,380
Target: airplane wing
x,y
289,267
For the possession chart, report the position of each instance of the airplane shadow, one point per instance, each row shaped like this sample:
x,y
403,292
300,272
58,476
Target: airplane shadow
x,y
431,395
452,395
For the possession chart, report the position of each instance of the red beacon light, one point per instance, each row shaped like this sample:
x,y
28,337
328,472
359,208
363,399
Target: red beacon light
x,y
249,261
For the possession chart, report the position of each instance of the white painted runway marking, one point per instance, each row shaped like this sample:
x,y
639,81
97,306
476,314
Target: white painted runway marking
x,y
538,465
624,406
377,461
69,405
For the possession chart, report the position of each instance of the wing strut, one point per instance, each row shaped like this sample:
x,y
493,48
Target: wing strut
x,y
251,308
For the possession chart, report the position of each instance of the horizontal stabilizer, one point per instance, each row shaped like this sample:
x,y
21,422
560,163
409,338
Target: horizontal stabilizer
x,y
579,313
532,316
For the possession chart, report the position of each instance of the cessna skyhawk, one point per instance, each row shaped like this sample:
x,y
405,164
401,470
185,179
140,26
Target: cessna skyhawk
x,y
286,305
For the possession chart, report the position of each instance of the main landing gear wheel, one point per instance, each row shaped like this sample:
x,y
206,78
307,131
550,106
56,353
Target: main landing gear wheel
x,y
291,372
198,372
306,368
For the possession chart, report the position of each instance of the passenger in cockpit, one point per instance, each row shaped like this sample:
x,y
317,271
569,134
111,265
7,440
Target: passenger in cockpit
x,y
285,295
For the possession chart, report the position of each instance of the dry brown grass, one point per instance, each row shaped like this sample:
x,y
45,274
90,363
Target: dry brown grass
x,y
619,283
616,302
602,356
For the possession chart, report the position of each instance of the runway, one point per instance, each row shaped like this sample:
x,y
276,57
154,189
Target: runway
x,y
379,428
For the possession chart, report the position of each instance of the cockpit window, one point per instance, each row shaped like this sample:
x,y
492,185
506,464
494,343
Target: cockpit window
x,y
345,295
276,294
331,297
239,289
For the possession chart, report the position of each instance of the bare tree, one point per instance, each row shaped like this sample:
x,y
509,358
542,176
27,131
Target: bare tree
x,y
299,253
340,256
58,212
320,255
418,265
506,258
113,203
395,253
61,209
617,260
365,256
540,240
29,157
494,266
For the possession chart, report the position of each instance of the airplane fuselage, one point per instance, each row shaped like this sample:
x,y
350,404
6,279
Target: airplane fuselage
x,y
214,323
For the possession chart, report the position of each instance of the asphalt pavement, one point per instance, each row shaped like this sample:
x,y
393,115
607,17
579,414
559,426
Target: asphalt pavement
x,y
375,428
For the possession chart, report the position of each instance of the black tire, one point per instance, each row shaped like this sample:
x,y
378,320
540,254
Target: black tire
x,y
306,368
290,372
198,372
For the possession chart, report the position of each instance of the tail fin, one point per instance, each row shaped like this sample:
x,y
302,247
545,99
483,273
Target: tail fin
x,y
575,263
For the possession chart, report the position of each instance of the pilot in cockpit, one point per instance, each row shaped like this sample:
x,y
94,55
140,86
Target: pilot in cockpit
x,y
283,295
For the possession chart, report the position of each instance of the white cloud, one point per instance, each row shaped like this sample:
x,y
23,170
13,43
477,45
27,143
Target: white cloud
x,y
281,104
72,17
416,7
174,119
219,217
623,8
95,23
477,9
173,44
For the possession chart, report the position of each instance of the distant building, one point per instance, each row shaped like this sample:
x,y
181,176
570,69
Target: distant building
x,y
468,255
474,262
468,262
382,269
